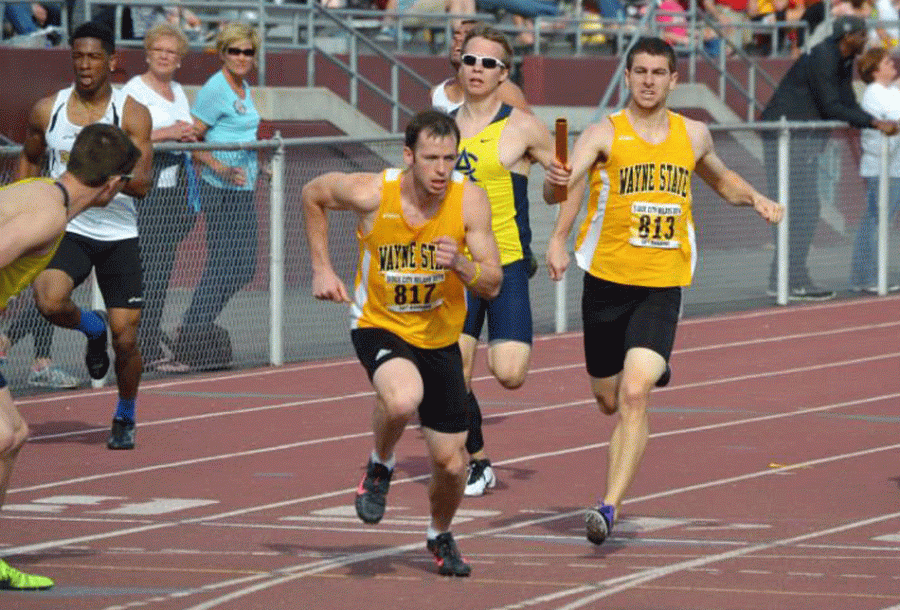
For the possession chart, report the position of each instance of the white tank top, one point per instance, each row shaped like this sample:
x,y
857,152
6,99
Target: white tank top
x,y
440,101
116,221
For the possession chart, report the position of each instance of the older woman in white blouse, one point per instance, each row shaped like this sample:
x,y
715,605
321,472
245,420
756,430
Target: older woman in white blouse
x,y
168,212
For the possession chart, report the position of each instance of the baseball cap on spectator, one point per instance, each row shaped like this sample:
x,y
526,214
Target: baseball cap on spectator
x,y
848,24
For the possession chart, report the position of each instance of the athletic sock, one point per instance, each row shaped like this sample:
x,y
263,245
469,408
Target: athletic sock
x,y
91,324
475,437
389,463
433,533
125,409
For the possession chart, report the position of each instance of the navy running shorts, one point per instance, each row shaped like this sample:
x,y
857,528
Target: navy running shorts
x,y
509,314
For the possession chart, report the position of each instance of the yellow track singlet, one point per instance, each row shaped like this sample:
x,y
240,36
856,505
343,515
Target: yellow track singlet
x,y
639,228
399,287
506,190
19,274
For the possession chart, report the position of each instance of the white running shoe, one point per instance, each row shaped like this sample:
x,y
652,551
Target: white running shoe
x,y
481,477
54,378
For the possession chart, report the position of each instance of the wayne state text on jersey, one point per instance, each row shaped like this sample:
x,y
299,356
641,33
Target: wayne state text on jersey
x,y
659,177
411,256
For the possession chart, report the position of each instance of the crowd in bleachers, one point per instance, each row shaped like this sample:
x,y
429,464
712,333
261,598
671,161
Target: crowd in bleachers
x,y
764,27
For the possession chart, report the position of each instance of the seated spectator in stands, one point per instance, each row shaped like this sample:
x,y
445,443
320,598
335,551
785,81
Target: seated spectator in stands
x,y
887,10
731,15
137,20
815,14
672,20
20,18
774,11
523,13
454,7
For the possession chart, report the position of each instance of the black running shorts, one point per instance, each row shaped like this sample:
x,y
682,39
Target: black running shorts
x,y
443,406
617,318
118,265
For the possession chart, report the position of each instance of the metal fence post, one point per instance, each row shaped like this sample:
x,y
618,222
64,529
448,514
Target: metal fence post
x,y
883,189
783,231
261,67
276,256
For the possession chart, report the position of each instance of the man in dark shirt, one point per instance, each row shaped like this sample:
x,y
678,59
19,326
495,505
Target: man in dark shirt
x,y
818,87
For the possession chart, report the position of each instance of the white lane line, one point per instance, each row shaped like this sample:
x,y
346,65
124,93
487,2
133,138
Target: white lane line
x,y
559,452
610,587
369,393
295,572
300,367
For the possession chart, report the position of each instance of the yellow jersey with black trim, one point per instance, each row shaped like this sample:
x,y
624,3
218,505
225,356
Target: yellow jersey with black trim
x,y
639,228
19,274
507,191
399,286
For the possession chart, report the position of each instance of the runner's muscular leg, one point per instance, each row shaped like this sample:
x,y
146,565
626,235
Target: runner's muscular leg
x,y
399,390
629,439
13,433
467,346
448,474
509,361
123,325
53,295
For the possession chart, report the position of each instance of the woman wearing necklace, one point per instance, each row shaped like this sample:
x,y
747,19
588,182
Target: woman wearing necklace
x,y
223,111
165,216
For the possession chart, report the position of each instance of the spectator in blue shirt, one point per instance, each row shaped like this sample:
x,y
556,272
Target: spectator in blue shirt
x,y
223,111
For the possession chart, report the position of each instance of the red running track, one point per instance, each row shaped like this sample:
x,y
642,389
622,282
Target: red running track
x,y
770,482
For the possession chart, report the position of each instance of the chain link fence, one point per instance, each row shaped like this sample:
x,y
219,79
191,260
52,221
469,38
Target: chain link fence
x,y
254,294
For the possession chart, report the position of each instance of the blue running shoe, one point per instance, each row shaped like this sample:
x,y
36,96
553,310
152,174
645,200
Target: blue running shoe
x,y
599,522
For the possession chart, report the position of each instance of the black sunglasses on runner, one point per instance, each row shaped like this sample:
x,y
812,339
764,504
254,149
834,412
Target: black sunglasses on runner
x,y
236,52
488,63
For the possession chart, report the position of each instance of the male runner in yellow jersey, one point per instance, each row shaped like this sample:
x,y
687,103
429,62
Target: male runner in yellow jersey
x,y
498,144
409,305
637,249
33,217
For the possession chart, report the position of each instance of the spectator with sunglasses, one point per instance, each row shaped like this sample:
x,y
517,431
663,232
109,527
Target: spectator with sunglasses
x,y
224,111
498,144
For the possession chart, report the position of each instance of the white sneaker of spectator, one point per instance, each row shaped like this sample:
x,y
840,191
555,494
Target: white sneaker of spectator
x,y
52,377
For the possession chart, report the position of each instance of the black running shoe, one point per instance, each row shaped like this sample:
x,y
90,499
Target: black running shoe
x,y
599,522
95,358
447,556
371,495
665,378
122,435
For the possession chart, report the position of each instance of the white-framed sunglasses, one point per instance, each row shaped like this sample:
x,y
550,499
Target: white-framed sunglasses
x,y
488,63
